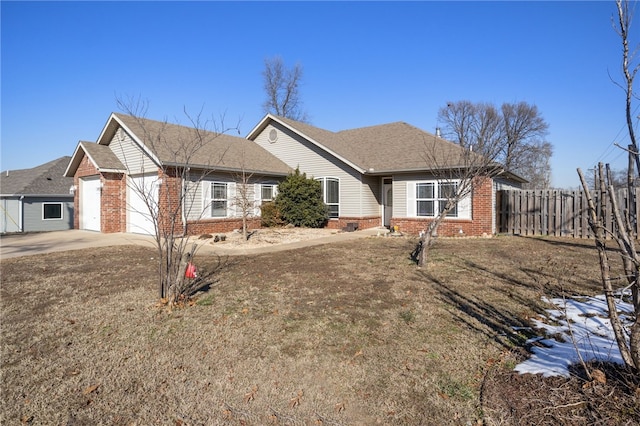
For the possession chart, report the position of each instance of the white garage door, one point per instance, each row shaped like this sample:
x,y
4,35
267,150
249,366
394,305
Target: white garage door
x,y
142,204
90,204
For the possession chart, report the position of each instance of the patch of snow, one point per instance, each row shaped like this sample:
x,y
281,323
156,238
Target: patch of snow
x,y
587,319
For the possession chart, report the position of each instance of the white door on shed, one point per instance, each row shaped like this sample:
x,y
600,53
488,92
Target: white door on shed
x,y
142,204
90,203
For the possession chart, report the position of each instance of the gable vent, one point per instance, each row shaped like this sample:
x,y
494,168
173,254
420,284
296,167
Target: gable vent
x,y
273,135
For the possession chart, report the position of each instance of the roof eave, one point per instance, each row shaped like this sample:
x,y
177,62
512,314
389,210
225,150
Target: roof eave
x,y
37,195
74,162
226,169
107,170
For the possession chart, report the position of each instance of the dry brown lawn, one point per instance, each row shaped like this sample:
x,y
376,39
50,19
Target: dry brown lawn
x,y
343,334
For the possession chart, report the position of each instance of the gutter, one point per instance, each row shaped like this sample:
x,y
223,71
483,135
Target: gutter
x,y
224,169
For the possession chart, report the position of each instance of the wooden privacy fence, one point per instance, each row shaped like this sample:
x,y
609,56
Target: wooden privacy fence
x,y
554,212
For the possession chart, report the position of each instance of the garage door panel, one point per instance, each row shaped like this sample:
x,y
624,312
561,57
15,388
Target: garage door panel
x,y
142,203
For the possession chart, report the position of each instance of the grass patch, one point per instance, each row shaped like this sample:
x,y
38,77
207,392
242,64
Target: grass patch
x,y
312,336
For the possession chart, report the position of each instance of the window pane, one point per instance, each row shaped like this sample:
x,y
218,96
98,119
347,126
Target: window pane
x,y
453,212
425,208
219,191
447,190
267,192
219,209
333,211
52,211
333,191
424,190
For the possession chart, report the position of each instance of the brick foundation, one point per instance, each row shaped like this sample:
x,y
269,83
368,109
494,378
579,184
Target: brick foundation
x,y
363,222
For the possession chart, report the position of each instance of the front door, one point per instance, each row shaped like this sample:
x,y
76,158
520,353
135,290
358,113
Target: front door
x,y
387,201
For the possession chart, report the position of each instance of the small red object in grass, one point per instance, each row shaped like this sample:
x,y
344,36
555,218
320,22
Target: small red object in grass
x,y
191,271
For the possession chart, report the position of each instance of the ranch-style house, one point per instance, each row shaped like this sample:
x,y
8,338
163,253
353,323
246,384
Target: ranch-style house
x,y
371,176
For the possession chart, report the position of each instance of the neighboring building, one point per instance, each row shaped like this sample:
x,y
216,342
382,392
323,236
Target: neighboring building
x,y
37,199
372,176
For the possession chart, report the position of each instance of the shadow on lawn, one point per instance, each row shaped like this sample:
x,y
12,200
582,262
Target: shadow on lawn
x,y
501,325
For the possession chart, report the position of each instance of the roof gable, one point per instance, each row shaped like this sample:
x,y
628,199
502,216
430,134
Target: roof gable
x,y
46,179
101,156
385,148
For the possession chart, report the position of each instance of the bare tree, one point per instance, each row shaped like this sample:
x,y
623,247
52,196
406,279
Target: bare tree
x,y
181,157
518,129
535,165
282,88
460,168
244,200
524,133
624,214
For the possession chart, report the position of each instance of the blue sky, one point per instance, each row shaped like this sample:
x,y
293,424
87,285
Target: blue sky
x,y
365,63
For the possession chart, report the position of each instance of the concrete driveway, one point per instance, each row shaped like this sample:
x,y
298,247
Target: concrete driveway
x,y
16,245
46,242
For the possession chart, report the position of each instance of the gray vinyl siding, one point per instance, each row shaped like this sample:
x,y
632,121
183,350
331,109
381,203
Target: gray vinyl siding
x,y
10,217
194,201
33,214
356,199
400,193
371,196
130,154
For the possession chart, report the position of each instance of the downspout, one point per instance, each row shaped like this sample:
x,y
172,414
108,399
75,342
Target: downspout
x,y
20,211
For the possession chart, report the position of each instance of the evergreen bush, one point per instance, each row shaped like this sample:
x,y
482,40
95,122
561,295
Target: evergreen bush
x,y
300,202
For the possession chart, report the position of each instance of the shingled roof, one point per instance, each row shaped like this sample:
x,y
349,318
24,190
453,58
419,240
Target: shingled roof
x,y
166,143
394,147
46,179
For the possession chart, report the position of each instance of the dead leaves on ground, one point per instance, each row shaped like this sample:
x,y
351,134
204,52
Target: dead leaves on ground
x,y
90,389
250,396
295,401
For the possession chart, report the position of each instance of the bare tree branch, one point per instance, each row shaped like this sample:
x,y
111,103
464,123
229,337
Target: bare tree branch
x,y
282,88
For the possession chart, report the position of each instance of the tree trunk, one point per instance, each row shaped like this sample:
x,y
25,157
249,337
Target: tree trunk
x,y
598,229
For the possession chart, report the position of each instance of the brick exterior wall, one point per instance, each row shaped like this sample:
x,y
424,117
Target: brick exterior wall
x,y
481,213
113,213
363,222
169,199
220,226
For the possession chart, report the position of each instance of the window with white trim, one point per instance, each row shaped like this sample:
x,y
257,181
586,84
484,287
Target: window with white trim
x,y
219,200
267,192
51,211
331,195
432,198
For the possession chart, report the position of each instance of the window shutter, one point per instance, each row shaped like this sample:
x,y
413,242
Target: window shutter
x,y
206,198
232,202
411,199
464,207
257,198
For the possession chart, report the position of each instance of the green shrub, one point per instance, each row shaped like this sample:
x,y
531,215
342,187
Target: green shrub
x,y
299,201
270,215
